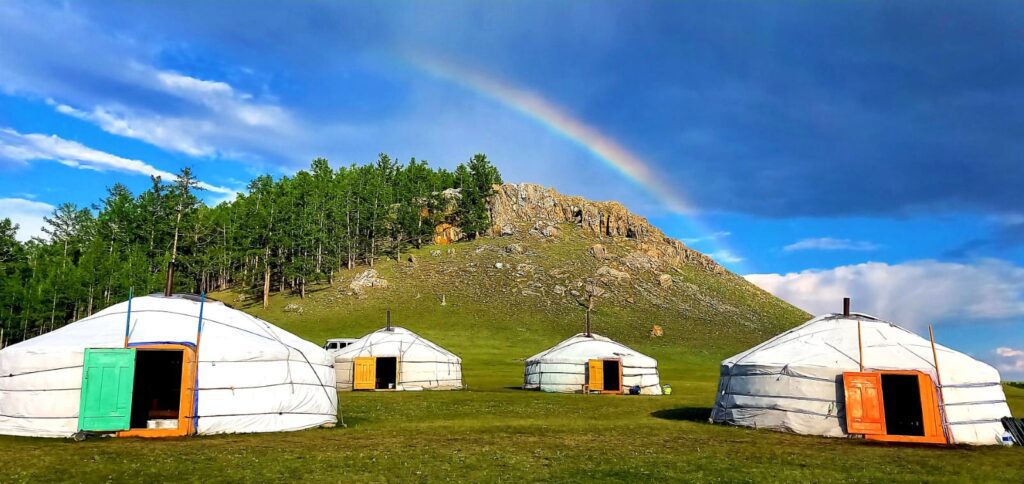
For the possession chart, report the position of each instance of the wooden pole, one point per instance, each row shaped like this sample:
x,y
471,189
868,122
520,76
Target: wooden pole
x,y
938,381
128,318
860,347
195,382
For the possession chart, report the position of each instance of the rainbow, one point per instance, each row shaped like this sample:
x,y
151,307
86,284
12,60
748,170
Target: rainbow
x,y
601,146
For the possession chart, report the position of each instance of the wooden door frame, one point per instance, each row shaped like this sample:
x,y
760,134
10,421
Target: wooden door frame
x,y
931,416
604,377
186,404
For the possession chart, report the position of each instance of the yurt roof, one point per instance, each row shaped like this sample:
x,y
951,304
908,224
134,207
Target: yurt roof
x,y
831,341
227,333
582,347
396,341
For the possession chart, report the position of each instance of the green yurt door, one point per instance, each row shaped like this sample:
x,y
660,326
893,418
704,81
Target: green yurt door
x,y
108,376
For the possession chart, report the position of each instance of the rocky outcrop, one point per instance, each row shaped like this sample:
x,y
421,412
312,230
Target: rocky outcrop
x,y
445,234
517,204
366,279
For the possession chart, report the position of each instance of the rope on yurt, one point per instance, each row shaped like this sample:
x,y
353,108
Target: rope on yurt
x,y
275,337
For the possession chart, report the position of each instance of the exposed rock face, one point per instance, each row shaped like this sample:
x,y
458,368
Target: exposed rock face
x,y
445,234
606,272
367,278
525,203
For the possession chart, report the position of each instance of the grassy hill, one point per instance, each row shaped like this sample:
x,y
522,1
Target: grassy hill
x,y
494,317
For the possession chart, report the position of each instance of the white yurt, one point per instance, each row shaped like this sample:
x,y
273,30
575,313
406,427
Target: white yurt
x,y
591,363
148,368
394,358
841,375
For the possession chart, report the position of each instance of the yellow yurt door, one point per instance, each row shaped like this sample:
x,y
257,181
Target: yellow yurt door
x,y
595,380
365,373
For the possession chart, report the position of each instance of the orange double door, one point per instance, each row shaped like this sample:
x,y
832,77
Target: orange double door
x,y
893,406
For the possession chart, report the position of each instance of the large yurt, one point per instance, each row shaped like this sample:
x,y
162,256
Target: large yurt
x,y
159,366
591,363
394,358
841,375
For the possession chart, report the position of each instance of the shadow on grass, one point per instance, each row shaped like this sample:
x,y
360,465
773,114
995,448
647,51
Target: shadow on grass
x,y
692,414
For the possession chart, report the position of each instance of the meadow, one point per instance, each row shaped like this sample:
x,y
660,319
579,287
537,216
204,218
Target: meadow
x,y
496,432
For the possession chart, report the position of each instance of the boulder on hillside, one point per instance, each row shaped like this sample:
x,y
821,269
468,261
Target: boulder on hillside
x,y
607,273
515,249
665,280
366,279
599,252
639,261
293,308
544,229
507,229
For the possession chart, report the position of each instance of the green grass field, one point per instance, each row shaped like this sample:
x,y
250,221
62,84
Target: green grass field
x,y
495,432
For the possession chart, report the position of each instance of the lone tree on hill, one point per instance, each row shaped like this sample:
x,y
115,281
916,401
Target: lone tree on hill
x,y
477,180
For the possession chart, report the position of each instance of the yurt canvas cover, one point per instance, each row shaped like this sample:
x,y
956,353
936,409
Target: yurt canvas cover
x,y
808,381
396,359
251,376
591,363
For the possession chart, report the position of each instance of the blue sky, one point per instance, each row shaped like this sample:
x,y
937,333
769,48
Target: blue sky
x,y
823,149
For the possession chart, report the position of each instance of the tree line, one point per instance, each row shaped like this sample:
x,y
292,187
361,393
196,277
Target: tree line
x,y
280,235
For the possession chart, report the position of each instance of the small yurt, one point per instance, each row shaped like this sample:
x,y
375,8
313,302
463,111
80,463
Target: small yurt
x,y
394,358
159,366
591,363
843,375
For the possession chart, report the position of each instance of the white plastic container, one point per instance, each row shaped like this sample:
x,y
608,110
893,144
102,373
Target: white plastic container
x,y
1006,439
162,424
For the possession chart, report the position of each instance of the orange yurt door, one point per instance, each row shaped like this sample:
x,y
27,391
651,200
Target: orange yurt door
x,y
864,407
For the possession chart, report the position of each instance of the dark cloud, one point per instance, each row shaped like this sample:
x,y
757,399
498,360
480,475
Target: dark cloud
x,y
777,110
1009,235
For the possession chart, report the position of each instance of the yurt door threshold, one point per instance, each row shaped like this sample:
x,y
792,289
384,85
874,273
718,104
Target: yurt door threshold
x,y
893,406
146,390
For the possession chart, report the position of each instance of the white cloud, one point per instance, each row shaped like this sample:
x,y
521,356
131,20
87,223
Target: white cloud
x,y
111,80
914,294
1010,362
829,243
1009,352
706,238
725,256
30,147
27,214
